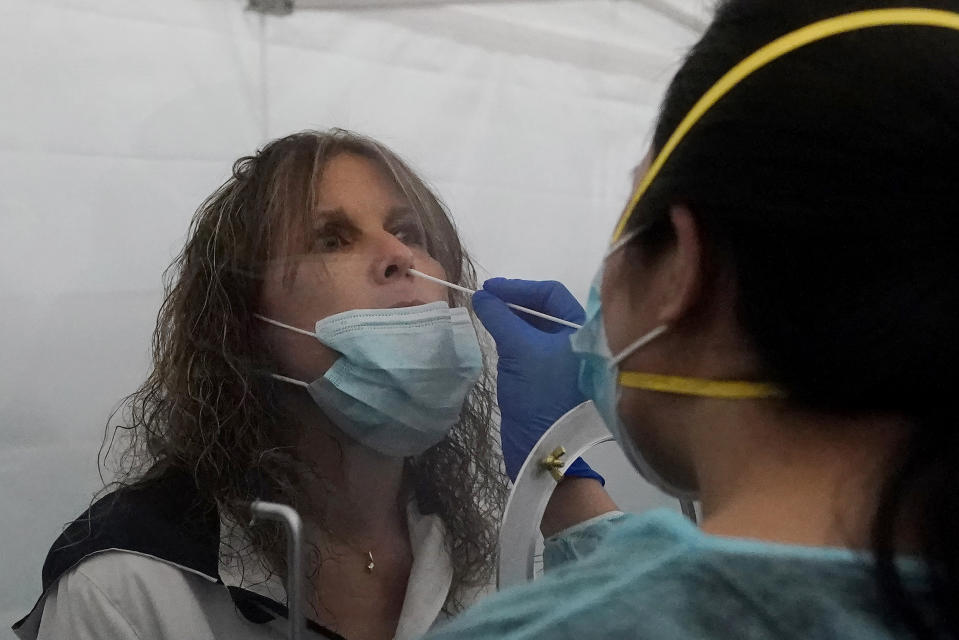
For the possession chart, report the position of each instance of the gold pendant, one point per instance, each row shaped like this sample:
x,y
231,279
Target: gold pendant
x,y
371,565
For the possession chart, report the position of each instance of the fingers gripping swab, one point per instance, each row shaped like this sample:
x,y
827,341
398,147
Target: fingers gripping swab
x,y
532,312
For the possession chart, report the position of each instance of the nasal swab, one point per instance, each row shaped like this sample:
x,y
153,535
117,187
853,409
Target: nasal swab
x,y
532,312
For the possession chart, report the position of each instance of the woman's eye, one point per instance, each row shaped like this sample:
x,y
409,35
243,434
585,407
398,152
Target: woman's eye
x,y
412,235
330,240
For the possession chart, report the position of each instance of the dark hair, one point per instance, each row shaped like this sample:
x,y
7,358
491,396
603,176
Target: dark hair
x,y
828,183
207,408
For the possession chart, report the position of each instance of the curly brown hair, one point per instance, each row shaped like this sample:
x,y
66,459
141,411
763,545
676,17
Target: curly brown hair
x,y
207,408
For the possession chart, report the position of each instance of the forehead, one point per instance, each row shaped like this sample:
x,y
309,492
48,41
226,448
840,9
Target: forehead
x,y
356,183
345,188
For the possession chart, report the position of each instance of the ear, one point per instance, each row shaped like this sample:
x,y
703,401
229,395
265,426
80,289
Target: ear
x,y
682,276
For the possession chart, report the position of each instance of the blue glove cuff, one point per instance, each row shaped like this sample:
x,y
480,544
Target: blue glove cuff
x,y
579,469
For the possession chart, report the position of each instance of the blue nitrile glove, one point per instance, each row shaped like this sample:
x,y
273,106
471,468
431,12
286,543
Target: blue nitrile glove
x,y
537,372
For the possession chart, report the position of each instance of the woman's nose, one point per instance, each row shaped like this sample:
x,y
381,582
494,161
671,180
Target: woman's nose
x,y
392,261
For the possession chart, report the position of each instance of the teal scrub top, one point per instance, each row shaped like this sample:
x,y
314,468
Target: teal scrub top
x,y
657,576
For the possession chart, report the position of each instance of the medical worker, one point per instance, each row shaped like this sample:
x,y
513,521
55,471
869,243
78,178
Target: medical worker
x,y
774,330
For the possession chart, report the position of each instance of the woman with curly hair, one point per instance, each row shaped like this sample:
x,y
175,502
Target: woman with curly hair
x,y
297,361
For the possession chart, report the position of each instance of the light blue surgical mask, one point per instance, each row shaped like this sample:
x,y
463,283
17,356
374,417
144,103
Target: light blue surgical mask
x,y
601,380
402,376
598,379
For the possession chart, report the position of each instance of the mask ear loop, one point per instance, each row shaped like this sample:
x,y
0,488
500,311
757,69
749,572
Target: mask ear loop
x,y
655,333
276,323
298,383
638,344
284,326
622,242
626,239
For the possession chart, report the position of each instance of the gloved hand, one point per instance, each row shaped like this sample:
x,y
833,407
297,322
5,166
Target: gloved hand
x,y
537,372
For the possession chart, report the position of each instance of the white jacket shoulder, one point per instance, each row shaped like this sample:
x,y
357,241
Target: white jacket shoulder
x,y
123,595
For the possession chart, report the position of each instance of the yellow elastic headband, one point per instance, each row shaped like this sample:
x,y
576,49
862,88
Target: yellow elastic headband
x,y
723,389
776,49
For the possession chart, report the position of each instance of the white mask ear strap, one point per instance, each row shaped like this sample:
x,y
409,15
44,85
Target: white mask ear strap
x,y
284,326
623,241
619,244
642,342
277,376
298,383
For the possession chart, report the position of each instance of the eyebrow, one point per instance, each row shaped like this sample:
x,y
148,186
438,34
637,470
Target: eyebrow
x,y
396,213
331,215
402,212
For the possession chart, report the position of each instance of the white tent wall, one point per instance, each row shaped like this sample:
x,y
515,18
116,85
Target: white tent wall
x,y
117,118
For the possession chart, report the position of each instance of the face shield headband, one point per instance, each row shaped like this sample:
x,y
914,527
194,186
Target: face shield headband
x,y
739,389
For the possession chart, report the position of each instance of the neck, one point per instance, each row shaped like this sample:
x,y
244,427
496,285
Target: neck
x,y
796,478
355,504
353,495
358,495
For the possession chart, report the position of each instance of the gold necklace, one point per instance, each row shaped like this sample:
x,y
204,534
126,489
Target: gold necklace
x,y
370,565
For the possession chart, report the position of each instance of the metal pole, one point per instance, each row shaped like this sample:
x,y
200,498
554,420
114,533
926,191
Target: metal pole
x,y
294,564
689,509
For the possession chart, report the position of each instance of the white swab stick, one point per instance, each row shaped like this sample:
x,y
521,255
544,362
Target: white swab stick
x,y
532,312
420,274
539,314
